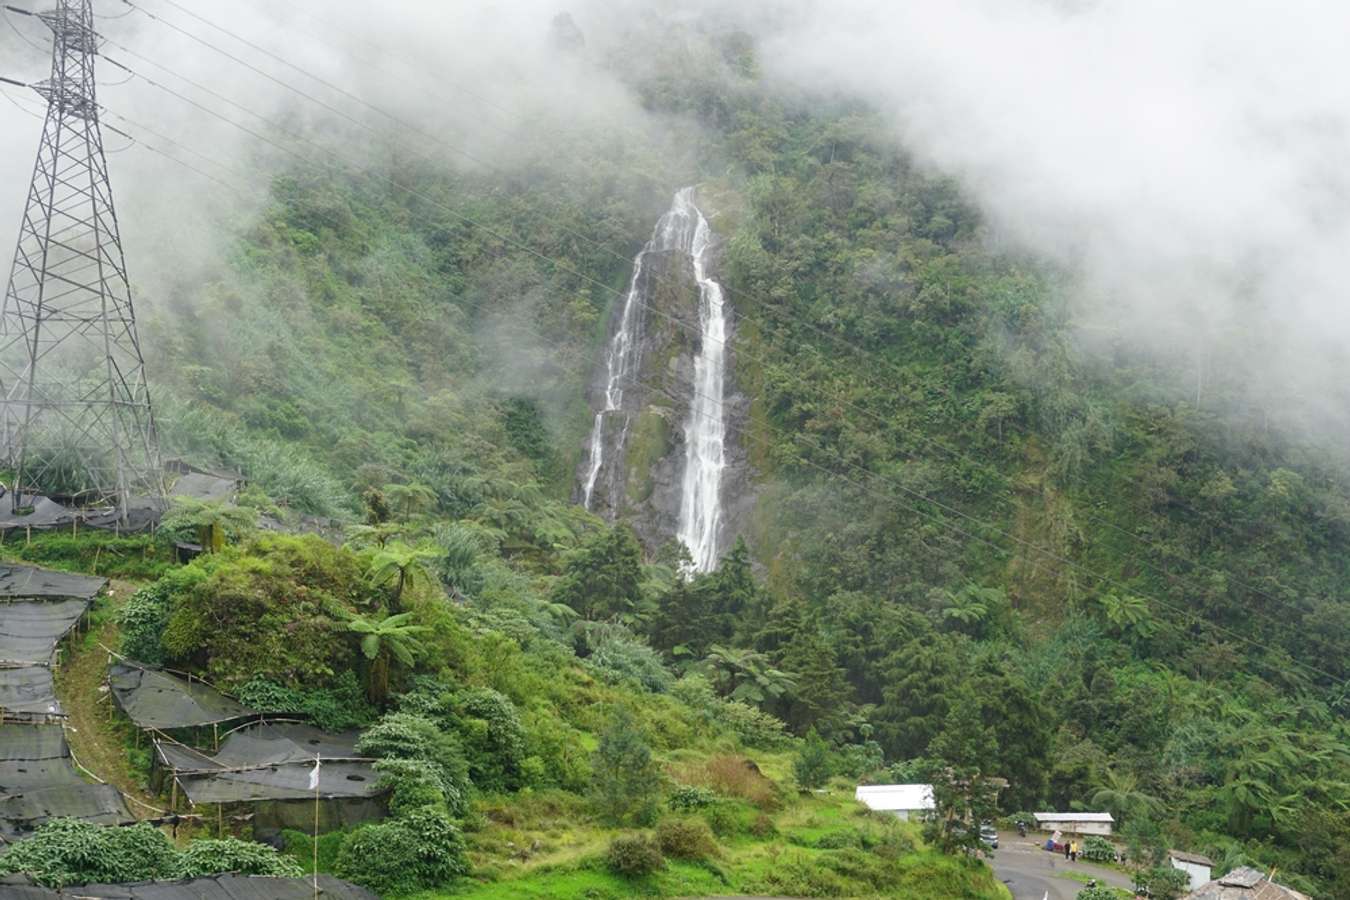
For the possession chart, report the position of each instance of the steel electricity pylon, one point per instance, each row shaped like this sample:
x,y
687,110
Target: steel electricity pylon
x,y
75,414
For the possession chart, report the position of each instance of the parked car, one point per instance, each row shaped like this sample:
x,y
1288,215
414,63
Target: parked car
x,y
989,836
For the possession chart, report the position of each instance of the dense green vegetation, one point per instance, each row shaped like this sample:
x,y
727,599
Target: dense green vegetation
x,y
69,852
976,552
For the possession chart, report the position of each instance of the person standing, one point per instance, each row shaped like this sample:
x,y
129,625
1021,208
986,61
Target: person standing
x,y
1068,847
1073,851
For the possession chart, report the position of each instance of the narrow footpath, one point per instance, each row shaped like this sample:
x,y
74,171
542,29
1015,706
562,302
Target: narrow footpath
x,y
95,735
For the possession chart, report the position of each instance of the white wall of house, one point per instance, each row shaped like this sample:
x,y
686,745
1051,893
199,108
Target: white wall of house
x,y
904,801
1074,826
1198,873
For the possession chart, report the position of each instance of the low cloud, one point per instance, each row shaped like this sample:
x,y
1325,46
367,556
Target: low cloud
x,y
1185,161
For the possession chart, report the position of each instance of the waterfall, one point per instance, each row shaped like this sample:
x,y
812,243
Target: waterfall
x,y
684,230
705,430
674,231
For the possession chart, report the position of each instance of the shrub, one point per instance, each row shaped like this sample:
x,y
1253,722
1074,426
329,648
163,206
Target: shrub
x,y
1099,849
143,619
686,839
146,614
724,817
341,707
416,784
269,609
733,776
1163,882
763,826
619,656
494,740
839,839
557,747
208,857
67,851
813,766
422,849
857,760
1096,893
407,737
895,843
798,877
687,798
488,726
633,856
754,727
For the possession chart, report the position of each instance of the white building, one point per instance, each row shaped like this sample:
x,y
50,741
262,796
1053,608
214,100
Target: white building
x,y
904,801
1196,867
1075,822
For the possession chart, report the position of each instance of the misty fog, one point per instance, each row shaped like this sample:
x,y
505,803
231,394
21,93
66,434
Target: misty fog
x,y
1184,164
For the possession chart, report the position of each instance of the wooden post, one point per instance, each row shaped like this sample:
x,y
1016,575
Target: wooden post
x,y
215,735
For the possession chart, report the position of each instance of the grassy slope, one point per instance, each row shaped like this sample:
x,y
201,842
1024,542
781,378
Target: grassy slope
x,y
813,846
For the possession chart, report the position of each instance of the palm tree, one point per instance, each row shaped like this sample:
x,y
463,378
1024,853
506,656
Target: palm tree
x,y
1127,614
384,641
403,566
458,559
747,674
410,499
1122,796
380,535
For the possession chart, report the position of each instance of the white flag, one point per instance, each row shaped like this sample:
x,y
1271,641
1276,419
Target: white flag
x,y
314,775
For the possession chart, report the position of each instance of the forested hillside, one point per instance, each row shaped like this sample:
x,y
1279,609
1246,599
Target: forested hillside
x,y
977,548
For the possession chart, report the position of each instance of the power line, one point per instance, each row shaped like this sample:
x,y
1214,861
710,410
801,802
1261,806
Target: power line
x,y
230,186
14,28
349,169
15,103
365,126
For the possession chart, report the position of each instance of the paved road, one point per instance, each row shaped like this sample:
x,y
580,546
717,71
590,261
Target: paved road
x,y
1031,873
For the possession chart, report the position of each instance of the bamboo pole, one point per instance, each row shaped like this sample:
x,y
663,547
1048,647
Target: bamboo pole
x,y
316,826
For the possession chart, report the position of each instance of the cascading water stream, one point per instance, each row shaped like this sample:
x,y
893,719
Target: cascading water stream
x,y
705,430
685,230
674,231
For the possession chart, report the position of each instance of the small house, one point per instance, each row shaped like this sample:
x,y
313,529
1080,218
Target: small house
x,y
1196,867
1244,883
1075,822
904,801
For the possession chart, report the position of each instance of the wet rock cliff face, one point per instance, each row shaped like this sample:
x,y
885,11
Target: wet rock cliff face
x,y
643,452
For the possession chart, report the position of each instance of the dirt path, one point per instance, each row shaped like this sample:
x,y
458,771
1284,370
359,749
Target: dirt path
x,y
98,740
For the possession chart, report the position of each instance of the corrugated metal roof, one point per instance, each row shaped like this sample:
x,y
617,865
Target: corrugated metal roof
x,y
1244,883
1072,817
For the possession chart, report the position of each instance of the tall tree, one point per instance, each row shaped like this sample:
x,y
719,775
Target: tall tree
x,y
603,578
964,796
626,781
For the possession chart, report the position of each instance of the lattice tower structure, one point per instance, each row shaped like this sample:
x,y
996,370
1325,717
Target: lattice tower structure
x,y
76,420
